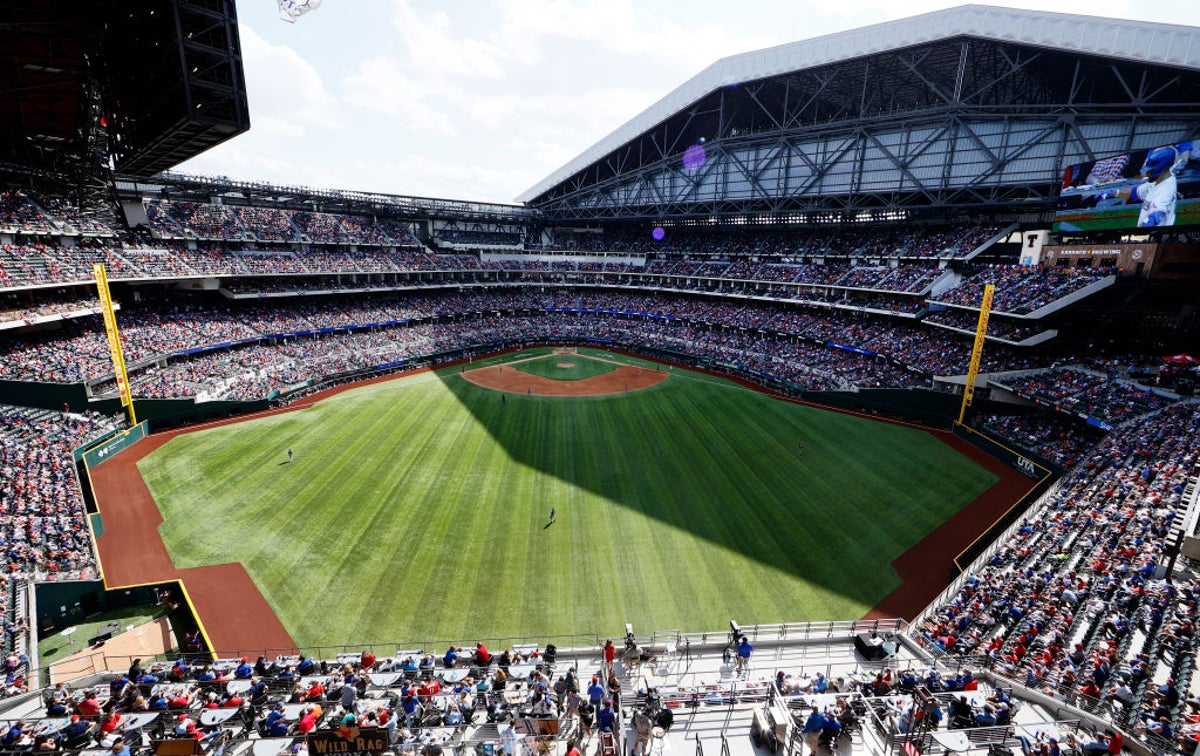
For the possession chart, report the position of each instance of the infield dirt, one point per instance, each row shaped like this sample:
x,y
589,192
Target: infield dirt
x,y
624,378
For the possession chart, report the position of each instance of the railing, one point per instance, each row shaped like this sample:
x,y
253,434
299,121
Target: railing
x,y
575,647
774,632
1062,700
1186,526
460,740
724,694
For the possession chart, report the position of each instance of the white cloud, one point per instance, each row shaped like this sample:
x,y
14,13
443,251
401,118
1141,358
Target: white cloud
x,y
282,85
454,176
380,84
434,46
277,128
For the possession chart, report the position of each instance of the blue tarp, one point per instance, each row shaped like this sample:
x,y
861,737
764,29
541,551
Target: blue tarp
x,y
856,350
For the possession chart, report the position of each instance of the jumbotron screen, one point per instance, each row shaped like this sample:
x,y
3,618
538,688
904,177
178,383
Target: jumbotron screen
x,y
1147,189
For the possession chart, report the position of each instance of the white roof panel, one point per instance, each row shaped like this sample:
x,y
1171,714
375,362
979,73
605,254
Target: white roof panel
x,y
1165,44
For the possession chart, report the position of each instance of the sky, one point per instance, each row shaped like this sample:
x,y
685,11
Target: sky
x,y
481,99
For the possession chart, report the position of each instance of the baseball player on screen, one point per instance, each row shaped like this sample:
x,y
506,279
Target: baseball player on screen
x,y
1158,193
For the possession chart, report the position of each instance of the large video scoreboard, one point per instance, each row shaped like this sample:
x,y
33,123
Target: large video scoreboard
x,y
1153,188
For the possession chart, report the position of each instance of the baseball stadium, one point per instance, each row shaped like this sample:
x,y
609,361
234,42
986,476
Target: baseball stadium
x,y
842,401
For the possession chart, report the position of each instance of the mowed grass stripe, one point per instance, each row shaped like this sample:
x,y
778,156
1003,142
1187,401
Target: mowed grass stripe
x,y
346,505
389,559
435,483
476,578
736,466
700,578
419,508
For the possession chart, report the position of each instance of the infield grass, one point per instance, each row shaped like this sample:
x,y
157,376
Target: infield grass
x,y
581,367
417,509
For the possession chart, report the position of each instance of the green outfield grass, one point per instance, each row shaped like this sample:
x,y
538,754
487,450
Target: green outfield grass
x,y
581,367
417,509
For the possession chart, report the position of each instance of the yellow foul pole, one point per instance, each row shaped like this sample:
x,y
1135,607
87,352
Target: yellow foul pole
x,y
980,332
114,340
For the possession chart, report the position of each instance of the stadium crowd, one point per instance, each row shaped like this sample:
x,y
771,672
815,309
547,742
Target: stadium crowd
x,y
457,237
1021,289
418,701
1062,440
43,527
1088,394
1070,603
19,308
77,352
53,244
197,220
886,270
894,242
20,214
261,370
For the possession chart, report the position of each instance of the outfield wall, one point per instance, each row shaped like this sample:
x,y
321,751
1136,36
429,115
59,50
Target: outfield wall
x,y
53,396
111,444
925,406
161,413
1033,467
170,413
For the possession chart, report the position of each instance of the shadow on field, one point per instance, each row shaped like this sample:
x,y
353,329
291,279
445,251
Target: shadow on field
x,y
731,485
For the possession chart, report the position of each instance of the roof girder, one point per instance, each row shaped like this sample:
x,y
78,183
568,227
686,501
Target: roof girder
x,y
940,86
677,190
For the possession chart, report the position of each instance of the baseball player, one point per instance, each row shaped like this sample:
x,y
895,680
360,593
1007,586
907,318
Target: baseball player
x,y
1157,194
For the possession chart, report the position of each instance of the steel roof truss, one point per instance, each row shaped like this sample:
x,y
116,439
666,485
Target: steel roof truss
x,y
752,175
918,184
911,62
1015,66
753,93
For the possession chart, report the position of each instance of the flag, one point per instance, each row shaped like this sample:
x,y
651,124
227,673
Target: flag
x,y
1107,170
290,10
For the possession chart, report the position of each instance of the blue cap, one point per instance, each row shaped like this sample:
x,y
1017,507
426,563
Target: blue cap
x,y
1158,161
